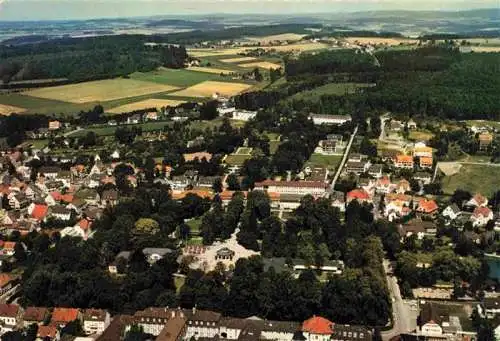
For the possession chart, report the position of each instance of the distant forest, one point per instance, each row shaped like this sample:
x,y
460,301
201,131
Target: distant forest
x,y
86,58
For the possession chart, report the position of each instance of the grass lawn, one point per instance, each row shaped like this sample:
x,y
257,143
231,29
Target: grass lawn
x,y
194,225
179,282
474,178
420,135
38,144
330,89
319,160
202,125
195,241
244,151
237,159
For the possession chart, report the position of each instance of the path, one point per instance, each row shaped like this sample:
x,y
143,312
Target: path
x,y
344,159
403,319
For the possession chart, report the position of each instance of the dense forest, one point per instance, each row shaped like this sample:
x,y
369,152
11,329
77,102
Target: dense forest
x,y
86,58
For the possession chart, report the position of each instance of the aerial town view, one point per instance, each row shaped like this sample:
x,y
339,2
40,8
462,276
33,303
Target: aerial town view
x,y
249,170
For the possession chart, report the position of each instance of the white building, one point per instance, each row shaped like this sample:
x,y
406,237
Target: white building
x,y
243,115
330,119
315,188
95,321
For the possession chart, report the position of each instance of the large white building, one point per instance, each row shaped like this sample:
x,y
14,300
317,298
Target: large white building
x,y
243,115
315,188
95,321
330,119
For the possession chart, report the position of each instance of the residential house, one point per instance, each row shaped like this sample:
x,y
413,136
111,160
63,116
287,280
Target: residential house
x,y
226,110
357,167
49,172
54,125
62,316
9,315
9,248
199,155
112,123
174,330
477,200
60,212
18,200
418,227
491,307
421,150
7,282
279,330
375,171
122,256
154,254
35,315
396,126
330,147
481,216
451,212
403,186
436,321
153,320
317,328
338,200
109,197
243,115
424,177
425,162
95,321
384,185
330,119
485,140
404,161
411,124
47,333
202,323
427,208
134,119
360,195
151,116
315,188
345,332
206,181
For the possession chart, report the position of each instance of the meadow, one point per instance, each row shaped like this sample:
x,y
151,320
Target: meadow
x,y
145,104
338,89
208,88
484,179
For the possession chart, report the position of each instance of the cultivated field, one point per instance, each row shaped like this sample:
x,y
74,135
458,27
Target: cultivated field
x,y
486,49
209,70
278,37
380,41
338,89
299,47
100,91
9,109
262,65
238,60
146,104
208,88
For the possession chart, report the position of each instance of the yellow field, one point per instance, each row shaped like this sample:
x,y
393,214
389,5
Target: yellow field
x,y
278,37
237,60
146,104
209,70
263,65
486,48
380,41
208,88
299,47
9,109
100,91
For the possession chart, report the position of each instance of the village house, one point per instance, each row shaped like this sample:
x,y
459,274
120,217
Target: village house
x,y
330,147
427,208
491,307
95,321
314,188
417,227
424,177
404,161
54,125
202,323
154,254
8,248
375,171
384,185
330,119
451,212
62,316
317,329
151,116
338,200
7,282
153,320
9,315
481,216
109,197
485,141
243,115
396,126
357,167
436,322
425,162
18,200
134,119
477,200
49,172
411,124
174,330
360,195
421,150
403,186
47,333
60,212
35,315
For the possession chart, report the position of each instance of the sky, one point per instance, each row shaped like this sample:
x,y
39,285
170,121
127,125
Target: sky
x,y
87,9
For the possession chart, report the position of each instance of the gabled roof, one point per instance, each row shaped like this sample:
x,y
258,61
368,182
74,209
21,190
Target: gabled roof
x,y
39,211
359,194
404,158
454,208
9,310
47,331
9,245
94,315
318,325
482,211
427,206
64,315
37,314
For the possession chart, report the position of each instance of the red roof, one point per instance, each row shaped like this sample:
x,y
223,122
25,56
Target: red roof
x,y
359,194
427,206
64,315
68,198
9,245
9,310
4,279
46,331
85,224
318,325
482,211
39,211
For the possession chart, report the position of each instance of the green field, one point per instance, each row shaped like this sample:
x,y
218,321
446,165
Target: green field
x,y
338,89
110,130
181,78
474,178
237,159
319,160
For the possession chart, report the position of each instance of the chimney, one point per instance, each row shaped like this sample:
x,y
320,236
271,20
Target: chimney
x,y
194,310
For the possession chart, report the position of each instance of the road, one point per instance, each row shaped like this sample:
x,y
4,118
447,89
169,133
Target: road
x,y
344,159
69,133
404,319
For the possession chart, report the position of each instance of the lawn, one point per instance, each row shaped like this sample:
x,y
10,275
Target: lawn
x,y
37,144
237,159
474,178
338,89
110,130
244,151
41,105
100,91
420,135
194,225
319,160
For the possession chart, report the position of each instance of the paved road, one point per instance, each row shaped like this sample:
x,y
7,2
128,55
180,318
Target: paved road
x,y
344,159
69,133
404,320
